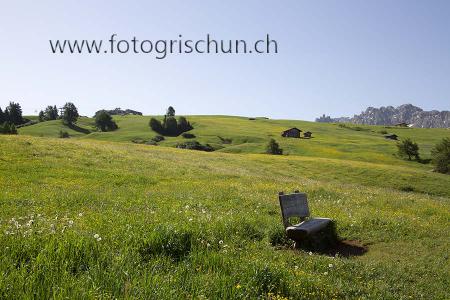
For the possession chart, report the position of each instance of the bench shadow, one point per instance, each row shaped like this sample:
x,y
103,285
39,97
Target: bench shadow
x,y
344,248
327,242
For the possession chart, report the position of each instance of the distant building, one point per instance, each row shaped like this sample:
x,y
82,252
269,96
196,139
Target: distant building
x,y
293,133
403,124
391,137
307,134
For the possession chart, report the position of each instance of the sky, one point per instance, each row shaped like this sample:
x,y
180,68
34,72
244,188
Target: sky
x,y
334,57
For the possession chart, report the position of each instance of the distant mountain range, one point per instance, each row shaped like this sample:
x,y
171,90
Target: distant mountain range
x,y
407,113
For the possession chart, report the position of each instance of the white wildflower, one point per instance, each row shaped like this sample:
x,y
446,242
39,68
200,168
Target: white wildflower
x,y
97,237
220,242
330,265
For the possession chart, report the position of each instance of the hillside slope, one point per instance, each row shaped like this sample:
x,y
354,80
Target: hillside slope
x,y
96,219
361,143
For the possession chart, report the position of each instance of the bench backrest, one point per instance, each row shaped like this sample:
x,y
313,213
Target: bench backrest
x,y
293,205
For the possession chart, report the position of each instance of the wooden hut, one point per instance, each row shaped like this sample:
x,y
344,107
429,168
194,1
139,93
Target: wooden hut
x,y
292,133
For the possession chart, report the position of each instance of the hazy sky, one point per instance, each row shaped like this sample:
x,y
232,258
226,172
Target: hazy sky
x,y
335,57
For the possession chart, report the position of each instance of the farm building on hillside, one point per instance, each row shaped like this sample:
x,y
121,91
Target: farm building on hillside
x,y
403,124
293,132
307,134
391,137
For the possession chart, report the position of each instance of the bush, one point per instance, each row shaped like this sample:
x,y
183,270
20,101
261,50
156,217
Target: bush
x,y
408,148
152,143
155,125
8,128
188,135
184,125
138,141
104,121
383,131
441,156
63,134
273,148
158,138
194,145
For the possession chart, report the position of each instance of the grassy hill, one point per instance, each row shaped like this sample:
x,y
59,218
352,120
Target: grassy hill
x,y
96,216
363,143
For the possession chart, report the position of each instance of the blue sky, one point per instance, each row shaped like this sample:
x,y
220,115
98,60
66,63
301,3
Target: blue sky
x,y
335,57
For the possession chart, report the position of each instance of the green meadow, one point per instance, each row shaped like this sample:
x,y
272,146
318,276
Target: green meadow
x,y
98,216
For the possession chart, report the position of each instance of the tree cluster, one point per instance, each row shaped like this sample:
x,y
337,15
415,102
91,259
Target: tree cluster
x,y
104,121
12,114
11,117
170,126
50,113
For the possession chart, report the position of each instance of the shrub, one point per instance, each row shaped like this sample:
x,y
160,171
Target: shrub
x,y
383,131
194,145
273,148
138,141
152,143
155,125
408,148
63,134
104,121
8,128
188,135
441,156
183,125
158,138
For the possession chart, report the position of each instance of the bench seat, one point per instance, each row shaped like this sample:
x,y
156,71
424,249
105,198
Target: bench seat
x,y
305,228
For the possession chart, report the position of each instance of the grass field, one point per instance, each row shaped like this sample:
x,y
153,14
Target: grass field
x,y
96,216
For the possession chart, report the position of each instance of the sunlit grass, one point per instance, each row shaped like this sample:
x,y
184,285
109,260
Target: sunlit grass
x,y
89,219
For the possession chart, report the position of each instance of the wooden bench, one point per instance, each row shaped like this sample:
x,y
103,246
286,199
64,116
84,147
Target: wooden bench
x,y
296,205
